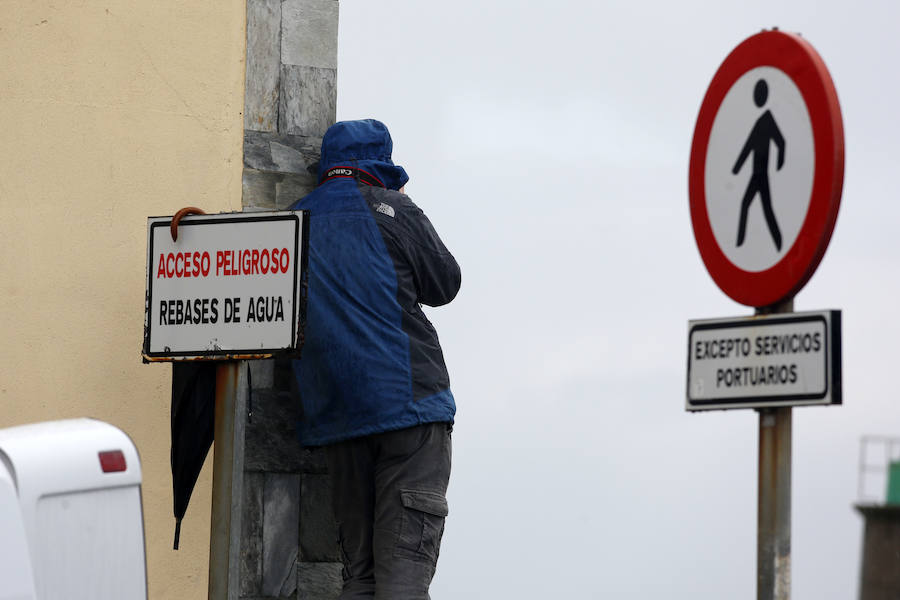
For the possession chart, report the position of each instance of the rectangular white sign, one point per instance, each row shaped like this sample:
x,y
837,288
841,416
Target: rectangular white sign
x,y
231,286
774,360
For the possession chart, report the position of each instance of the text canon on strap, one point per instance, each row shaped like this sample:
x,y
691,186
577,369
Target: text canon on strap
x,y
352,173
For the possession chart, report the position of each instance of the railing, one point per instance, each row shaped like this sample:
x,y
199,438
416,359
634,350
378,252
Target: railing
x,y
876,453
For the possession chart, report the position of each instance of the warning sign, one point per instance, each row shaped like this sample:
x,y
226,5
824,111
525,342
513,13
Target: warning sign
x,y
777,360
766,169
229,287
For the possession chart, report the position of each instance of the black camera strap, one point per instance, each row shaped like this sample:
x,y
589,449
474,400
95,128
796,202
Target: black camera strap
x,y
351,173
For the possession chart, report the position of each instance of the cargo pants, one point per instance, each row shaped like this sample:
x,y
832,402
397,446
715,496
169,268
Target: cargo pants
x,y
390,503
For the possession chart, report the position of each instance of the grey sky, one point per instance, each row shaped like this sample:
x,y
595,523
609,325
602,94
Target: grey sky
x,y
549,145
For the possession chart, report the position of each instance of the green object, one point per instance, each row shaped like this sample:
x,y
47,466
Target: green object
x,y
893,491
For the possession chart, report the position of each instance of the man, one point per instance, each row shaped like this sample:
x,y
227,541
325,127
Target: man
x,y
372,379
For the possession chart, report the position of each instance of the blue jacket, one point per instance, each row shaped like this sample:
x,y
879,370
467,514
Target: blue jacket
x,y
371,361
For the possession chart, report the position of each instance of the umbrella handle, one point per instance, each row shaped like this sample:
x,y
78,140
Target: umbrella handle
x,y
187,210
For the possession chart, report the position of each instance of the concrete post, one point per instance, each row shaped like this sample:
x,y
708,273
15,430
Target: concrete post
x,y
880,573
288,538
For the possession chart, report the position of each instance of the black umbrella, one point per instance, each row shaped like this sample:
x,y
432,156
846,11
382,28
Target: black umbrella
x,y
193,426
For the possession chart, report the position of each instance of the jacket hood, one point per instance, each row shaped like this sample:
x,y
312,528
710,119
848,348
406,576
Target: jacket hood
x,y
365,144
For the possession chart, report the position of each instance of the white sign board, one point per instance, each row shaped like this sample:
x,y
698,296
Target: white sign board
x,y
230,287
789,359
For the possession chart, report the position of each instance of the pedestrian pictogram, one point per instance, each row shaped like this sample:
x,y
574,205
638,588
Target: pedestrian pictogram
x,y
766,168
764,132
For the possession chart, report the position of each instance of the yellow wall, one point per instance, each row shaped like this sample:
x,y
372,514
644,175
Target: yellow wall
x,y
109,112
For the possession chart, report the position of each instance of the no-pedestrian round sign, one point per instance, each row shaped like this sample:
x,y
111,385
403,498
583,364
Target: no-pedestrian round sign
x,y
766,168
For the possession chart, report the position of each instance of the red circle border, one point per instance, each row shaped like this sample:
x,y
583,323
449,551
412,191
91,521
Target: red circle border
x,y
797,58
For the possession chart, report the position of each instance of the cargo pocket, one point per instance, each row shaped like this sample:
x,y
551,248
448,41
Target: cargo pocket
x,y
421,525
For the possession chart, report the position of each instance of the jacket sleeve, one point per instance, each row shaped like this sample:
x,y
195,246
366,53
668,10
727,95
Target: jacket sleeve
x,y
435,273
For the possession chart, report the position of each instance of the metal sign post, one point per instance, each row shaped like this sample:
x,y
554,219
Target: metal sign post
x,y
773,530
228,480
772,361
228,288
762,225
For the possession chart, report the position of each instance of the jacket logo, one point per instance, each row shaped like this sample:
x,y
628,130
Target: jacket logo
x,y
385,209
